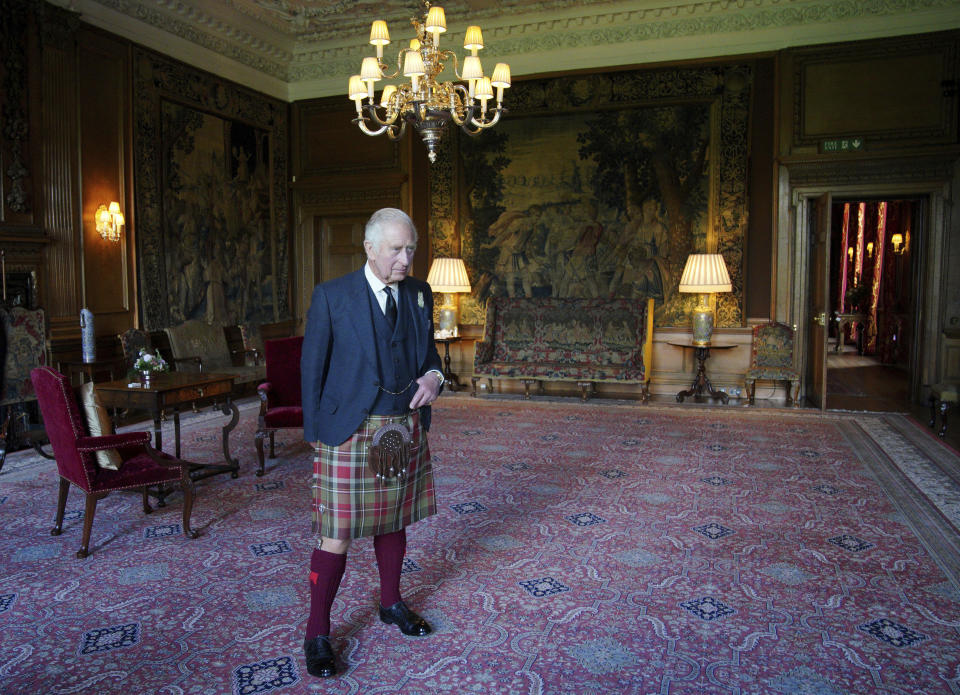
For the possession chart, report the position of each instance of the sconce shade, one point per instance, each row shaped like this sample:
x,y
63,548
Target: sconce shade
x,y
705,272
448,275
897,241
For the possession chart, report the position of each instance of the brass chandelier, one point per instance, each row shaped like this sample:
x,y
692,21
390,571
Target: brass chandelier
x,y
424,102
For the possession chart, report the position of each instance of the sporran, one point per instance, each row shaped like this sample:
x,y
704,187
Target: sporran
x,y
389,453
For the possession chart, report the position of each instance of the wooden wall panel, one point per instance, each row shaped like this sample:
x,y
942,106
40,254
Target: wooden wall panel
x,y
61,210
893,93
104,139
329,143
340,177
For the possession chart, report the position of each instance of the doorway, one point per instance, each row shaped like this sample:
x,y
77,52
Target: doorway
x,y
872,302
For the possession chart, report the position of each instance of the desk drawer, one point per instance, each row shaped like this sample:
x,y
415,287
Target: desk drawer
x,y
195,393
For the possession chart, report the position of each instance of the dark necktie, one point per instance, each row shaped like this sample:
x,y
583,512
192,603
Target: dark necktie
x,y
390,310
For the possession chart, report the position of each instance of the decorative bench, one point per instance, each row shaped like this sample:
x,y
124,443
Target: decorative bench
x,y
588,341
197,346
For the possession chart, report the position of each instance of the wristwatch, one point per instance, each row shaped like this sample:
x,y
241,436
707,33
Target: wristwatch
x,y
439,376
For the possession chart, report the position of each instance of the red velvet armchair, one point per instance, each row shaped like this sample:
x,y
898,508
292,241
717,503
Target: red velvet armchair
x,y
280,402
141,467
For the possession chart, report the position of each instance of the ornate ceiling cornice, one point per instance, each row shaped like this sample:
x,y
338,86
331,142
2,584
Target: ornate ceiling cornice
x,y
312,46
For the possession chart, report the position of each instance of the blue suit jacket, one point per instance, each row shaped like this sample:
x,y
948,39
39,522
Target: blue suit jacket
x,y
338,366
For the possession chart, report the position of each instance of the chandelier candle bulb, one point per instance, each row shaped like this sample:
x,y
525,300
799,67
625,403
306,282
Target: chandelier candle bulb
x,y
436,24
379,36
501,80
356,89
473,40
387,95
413,64
484,92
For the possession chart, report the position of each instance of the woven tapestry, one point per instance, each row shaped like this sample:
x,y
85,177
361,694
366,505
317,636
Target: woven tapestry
x,y
211,200
601,186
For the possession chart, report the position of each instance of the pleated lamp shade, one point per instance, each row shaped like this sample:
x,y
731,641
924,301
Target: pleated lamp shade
x,y
705,272
448,275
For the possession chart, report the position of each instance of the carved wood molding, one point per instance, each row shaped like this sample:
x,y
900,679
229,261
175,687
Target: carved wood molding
x,y
945,44
892,170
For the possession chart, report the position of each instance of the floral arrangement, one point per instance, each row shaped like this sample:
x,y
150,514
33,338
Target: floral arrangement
x,y
150,362
858,297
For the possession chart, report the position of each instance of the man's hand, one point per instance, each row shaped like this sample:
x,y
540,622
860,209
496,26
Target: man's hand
x,y
428,391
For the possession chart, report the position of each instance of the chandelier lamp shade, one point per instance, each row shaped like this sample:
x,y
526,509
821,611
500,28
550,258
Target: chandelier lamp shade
x,y
705,273
422,100
109,221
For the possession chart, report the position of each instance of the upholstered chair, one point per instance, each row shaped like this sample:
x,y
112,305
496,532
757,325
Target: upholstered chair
x,y
771,357
139,467
24,343
252,342
132,341
280,402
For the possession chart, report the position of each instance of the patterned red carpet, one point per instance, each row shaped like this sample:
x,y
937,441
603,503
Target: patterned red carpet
x,y
579,548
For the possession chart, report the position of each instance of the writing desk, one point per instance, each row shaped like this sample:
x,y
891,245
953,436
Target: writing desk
x,y
171,390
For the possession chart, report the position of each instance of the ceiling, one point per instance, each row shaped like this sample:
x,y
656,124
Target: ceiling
x,y
298,49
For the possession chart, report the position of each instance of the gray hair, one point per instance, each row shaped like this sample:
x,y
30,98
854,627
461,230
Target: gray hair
x,y
383,218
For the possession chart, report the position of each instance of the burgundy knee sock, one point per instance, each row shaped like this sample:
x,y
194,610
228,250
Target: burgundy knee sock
x,y
390,549
326,571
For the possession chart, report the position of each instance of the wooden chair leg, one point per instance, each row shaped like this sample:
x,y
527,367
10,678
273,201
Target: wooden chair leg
x,y
187,486
273,454
61,507
473,381
90,508
751,391
526,389
944,407
795,390
147,509
258,439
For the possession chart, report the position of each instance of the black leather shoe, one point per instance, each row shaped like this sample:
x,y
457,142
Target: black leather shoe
x,y
319,654
409,622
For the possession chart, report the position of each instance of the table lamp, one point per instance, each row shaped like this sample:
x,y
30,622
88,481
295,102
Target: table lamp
x,y
448,276
704,273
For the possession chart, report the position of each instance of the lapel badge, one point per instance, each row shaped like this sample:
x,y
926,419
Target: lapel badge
x,y
420,299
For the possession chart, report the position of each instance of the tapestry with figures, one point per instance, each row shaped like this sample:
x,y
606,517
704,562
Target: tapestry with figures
x,y
601,186
210,161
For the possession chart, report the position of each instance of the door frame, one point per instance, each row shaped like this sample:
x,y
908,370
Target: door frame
x,y
801,183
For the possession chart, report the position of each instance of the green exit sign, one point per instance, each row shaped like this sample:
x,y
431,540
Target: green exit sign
x,y
842,145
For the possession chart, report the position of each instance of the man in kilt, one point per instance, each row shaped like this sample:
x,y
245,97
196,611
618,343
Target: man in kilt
x,y
369,369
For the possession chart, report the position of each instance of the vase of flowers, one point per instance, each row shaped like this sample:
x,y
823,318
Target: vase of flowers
x,y
149,363
858,298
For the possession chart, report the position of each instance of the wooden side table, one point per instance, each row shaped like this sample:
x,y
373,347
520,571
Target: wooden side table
x,y
452,380
701,382
858,321
173,389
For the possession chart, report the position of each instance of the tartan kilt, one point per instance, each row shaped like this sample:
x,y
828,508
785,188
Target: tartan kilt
x,y
348,500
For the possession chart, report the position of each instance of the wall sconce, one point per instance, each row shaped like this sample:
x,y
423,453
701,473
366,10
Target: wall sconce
x,y
449,277
110,221
869,249
897,240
